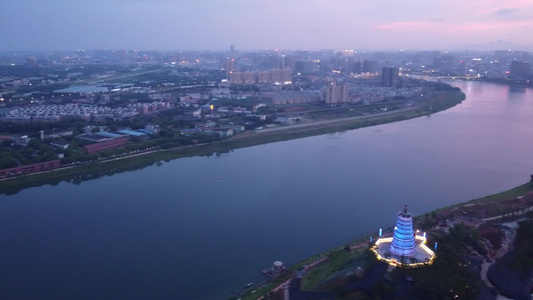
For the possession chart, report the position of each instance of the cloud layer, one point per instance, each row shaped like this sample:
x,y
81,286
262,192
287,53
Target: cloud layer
x,y
251,24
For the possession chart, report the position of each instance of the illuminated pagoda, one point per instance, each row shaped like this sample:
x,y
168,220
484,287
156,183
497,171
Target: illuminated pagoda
x,y
403,240
405,248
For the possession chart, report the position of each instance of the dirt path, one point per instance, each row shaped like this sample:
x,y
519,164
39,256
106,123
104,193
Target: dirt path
x,y
333,122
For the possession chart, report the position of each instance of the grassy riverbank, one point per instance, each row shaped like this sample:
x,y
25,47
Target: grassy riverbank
x,y
339,270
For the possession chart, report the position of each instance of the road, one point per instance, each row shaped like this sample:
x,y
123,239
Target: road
x,y
321,123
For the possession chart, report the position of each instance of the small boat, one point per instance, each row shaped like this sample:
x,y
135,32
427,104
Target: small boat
x,y
220,177
249,285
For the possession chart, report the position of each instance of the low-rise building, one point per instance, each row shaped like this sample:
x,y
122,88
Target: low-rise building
x,y
105,145
32,168
222,132
59,144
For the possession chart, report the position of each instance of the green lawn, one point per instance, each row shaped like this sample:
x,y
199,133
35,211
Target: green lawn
x,y
338,261
509,194
512,193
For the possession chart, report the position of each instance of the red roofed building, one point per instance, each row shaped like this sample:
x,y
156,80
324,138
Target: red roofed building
x,y
27,169
101,146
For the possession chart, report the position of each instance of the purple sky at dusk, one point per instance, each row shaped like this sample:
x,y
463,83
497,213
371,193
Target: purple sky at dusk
x,y
262,24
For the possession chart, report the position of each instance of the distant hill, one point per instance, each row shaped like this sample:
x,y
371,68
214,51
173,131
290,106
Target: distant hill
x,y
496,45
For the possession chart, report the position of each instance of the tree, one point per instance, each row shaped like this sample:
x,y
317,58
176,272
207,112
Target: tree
x,y
7,162
49,155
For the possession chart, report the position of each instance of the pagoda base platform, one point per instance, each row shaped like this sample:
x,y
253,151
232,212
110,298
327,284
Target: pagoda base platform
x,y
423,256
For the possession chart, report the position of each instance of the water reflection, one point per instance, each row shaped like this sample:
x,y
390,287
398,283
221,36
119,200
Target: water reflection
x,y
226,219
103,170
517,89
78,178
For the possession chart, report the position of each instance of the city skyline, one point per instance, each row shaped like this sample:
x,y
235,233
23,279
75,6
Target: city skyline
x,y
315,24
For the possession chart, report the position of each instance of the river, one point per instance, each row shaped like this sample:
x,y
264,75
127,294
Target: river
x,y
195,228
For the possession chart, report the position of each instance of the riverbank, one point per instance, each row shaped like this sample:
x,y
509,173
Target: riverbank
x,y
523,83
279,201
473,232
440,102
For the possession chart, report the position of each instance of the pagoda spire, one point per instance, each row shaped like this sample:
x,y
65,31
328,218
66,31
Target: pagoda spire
x,y
403,240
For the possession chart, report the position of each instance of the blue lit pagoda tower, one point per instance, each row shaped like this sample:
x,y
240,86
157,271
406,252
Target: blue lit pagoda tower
x,y
403,240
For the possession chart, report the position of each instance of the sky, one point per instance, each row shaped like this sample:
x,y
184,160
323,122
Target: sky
x,y
262,24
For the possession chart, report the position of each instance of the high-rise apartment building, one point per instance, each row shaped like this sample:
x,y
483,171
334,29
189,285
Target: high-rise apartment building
x,y
249,77
369,66
390,76
520,69
264,77
286,75
230,66
277,76
336,94
236,77
357,68
301,66
283,61
345,52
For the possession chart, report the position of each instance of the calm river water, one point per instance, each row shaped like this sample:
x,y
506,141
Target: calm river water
x,y
195,228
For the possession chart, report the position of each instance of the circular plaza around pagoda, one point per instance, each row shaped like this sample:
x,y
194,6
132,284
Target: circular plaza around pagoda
x,y
405,248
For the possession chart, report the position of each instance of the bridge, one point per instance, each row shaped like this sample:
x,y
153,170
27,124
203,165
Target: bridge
x,y
453,77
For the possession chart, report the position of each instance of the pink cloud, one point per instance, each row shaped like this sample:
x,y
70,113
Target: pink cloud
x,y
492,7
